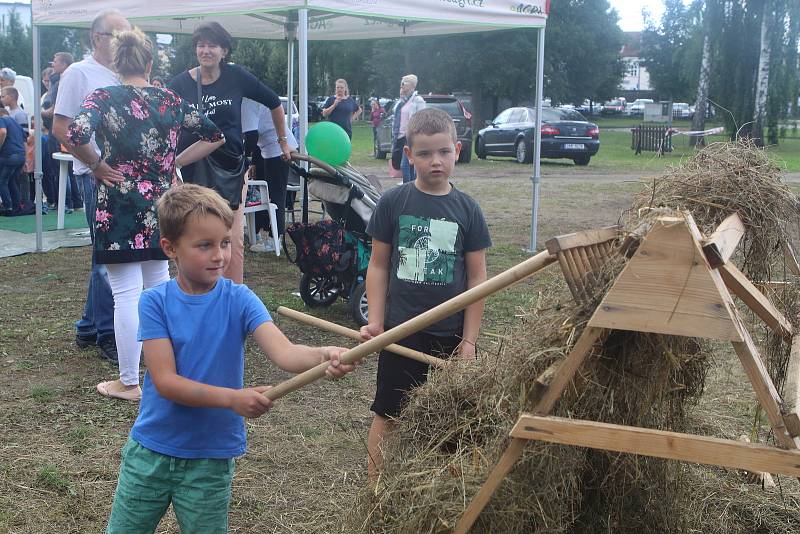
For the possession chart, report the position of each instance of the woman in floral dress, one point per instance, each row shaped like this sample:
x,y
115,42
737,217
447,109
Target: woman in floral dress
x,y
136,126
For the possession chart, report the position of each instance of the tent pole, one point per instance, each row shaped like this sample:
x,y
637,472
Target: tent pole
x,y
537,139
37,133
302,35
290,86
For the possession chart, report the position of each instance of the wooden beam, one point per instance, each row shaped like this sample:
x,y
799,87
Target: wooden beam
x,y
353,334
791,390
765,391
659,444
743,288
582,239
720,245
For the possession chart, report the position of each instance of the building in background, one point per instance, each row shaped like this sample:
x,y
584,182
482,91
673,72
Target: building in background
x,y
636,81
22,10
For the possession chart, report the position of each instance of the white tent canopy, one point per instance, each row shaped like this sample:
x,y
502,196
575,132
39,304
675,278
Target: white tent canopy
x,y
327,19
315,20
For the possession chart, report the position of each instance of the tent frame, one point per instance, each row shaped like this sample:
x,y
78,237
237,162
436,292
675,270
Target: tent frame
x,y
302,32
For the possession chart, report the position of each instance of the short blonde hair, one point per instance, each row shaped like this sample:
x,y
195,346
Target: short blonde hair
x,y
346,87
430,121
410,79
131,52
178,205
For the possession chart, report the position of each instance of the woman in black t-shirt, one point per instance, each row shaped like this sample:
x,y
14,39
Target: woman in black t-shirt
x,y
341,108
223,87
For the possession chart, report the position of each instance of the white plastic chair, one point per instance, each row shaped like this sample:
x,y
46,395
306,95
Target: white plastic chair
x,y
266,204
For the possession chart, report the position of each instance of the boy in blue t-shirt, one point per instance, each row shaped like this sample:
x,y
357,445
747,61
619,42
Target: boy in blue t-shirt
x,y
429,244
191,421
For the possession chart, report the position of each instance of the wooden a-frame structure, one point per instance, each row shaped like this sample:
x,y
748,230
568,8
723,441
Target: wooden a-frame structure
x,y
678,282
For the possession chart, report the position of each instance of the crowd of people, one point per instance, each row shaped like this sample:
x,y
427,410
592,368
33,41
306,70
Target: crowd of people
x,y
142,153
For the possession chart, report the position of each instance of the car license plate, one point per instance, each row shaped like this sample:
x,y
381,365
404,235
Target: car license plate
x,y
574,146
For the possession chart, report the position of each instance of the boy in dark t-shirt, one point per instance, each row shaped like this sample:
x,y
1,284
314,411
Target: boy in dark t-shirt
x,y
428,246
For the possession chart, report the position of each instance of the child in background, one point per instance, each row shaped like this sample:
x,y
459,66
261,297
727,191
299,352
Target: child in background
x,y
428,246
190,426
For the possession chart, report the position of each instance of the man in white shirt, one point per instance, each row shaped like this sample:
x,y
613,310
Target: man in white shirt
x,y
96,327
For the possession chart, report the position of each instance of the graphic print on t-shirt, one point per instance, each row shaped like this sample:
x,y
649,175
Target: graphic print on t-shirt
x,y
427,250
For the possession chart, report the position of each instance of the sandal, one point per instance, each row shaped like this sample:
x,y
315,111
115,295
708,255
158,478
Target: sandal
x,y
115,390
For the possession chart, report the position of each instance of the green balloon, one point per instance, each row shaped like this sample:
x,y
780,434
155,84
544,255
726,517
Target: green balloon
x,y
329,142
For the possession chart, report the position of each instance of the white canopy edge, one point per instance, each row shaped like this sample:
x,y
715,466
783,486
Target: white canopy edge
x,y
328,19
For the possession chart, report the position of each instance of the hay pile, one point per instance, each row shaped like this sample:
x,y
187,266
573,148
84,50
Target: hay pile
x,y
456,426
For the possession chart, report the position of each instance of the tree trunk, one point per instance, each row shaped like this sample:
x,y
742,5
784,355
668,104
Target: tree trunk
x,y
700,105
762,83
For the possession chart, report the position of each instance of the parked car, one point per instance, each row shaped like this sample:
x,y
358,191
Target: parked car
x,y
295,116
449,103
682,110
613,107
636,108
565,134
588,107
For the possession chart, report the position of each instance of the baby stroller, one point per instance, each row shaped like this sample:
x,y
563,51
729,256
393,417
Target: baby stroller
x,y
333,254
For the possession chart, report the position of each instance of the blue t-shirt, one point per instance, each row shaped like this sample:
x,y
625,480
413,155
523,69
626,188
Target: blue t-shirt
x,y
12,152
207,334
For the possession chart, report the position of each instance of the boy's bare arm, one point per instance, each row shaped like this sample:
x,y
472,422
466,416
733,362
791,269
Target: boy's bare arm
x,y
475,264
298,358
160,360
377,286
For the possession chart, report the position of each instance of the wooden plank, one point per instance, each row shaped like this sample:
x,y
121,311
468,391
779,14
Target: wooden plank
x,y
576,273
791,390
581,239
568,278
743,288
659,444
720,245
668,288
765,390
791,258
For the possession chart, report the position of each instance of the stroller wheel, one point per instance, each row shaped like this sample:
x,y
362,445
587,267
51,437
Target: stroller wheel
x,y
319,291
358,304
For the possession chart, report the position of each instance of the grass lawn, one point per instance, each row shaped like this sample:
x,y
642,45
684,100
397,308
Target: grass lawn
x,y
615,153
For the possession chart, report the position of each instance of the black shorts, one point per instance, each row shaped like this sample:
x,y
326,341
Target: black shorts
x,y
397,375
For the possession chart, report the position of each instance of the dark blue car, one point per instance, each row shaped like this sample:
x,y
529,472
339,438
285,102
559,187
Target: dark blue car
x,y
565,134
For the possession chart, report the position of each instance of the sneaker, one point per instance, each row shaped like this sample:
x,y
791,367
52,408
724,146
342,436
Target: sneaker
x,y
108,349
85,341
263,246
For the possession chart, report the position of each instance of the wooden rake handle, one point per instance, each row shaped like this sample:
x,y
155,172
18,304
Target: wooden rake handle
x,y
354,334
493,285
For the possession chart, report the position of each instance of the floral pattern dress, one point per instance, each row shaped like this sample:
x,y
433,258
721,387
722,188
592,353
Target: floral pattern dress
x,y
137,130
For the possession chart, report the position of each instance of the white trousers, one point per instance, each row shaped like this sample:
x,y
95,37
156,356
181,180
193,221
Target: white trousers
x,y
127,283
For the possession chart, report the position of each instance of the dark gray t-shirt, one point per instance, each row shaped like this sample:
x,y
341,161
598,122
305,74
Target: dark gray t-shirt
x,y
429,235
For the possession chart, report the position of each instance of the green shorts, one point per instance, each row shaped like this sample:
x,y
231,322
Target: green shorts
x,y
199,490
